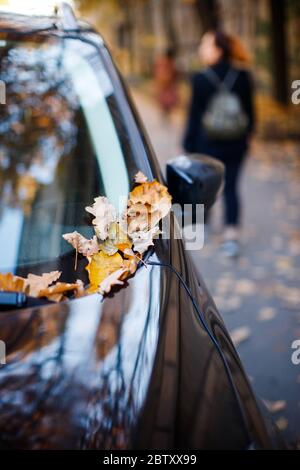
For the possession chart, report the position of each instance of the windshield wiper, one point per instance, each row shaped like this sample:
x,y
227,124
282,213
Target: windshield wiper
x,y
15,300
10,300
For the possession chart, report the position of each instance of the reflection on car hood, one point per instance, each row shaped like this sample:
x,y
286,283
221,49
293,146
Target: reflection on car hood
x,y
77,373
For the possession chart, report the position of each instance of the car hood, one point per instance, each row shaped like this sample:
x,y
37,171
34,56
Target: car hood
x,y
133,370
76,373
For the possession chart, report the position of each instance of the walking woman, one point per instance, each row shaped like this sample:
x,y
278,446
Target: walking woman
x,y
220,120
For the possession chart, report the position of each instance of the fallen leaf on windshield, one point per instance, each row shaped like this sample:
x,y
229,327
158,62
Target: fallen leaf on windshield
x,y
124,238
9,282
138,217
35,284
148,203
81,244
80,291
104,214
162,207
129,253
131,264
117,240
154,194
114,279
101,266
57,291
143,239
108,247
40,286
140,177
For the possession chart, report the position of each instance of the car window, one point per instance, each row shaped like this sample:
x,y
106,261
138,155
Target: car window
x,y
63,142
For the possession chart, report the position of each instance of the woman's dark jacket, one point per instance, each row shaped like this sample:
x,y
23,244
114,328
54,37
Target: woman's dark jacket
x,y
195,140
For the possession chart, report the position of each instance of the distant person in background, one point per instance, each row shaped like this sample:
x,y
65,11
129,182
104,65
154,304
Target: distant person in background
x,y
165,77
220,120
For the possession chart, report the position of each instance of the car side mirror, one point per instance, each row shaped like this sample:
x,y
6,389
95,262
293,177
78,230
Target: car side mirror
x,y
195,179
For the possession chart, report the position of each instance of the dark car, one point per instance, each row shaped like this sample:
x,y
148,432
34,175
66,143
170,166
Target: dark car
x,y
150,366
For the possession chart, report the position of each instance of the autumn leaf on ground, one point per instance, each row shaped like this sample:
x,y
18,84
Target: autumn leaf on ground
x,y
275,406
245,287
9,282
81,244
101,266
35,284
266,314
282,423
104,214
239,335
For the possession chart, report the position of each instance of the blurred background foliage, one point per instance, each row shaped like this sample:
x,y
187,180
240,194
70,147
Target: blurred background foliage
x,y
139,30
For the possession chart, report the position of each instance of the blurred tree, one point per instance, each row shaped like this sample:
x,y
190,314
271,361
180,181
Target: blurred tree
x,y
208,11
167,15
279,50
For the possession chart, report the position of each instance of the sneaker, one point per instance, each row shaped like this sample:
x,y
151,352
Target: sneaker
x,y
230,248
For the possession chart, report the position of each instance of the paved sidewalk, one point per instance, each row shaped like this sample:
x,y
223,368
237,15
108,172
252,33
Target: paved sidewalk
x,y
259,294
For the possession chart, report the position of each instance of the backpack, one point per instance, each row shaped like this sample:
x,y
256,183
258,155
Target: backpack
x,y
224,118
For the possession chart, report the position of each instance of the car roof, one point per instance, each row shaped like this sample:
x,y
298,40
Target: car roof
x,y
22,23
16,21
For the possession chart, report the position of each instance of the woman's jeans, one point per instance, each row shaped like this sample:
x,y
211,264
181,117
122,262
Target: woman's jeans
x,y
233,168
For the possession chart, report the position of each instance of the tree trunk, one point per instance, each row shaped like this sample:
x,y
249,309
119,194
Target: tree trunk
x,y
279,54
168,18
208,13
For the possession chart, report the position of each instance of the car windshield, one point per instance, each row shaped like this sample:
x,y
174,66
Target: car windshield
x,y
63,141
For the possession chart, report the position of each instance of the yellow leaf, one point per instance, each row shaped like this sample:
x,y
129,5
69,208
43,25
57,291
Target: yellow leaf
x,y
9,282
101,266
122,241
131,265
108,247
150,193
56,291
114,279
148,203
117,240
